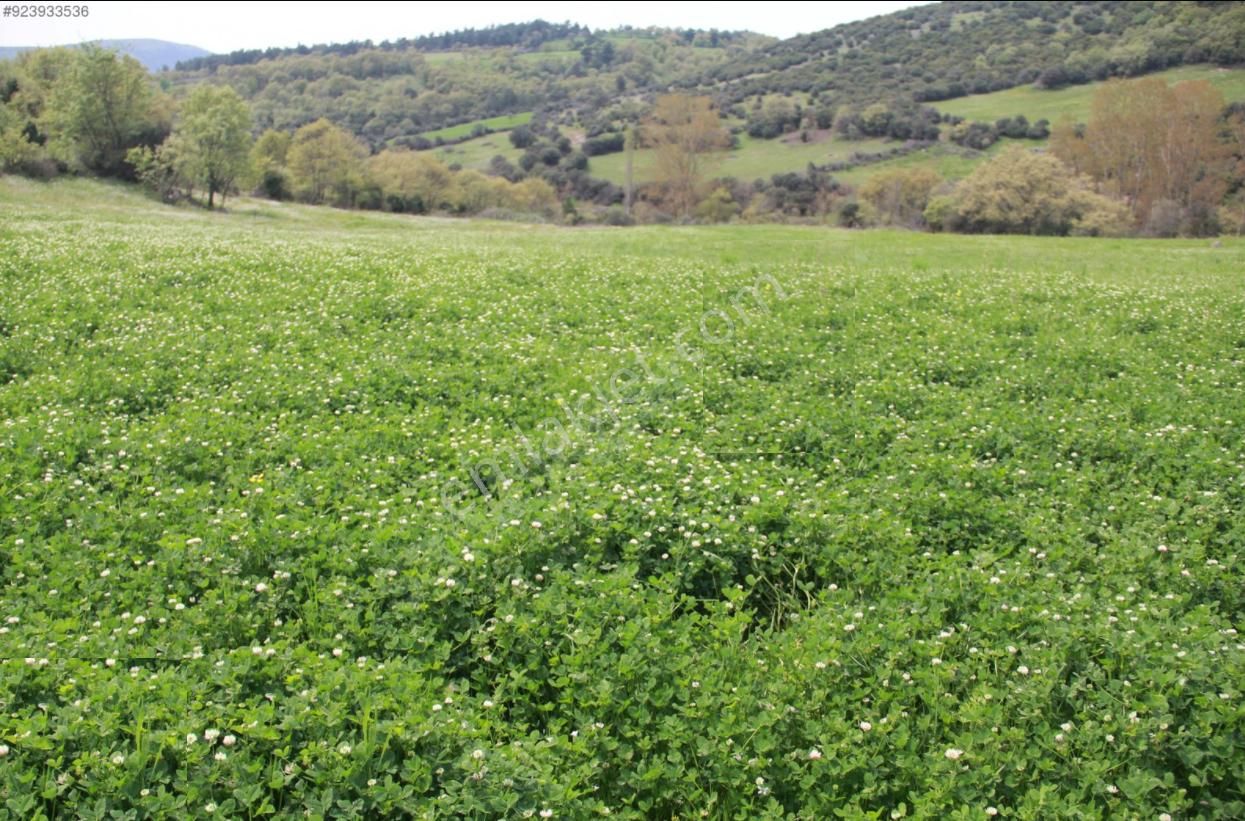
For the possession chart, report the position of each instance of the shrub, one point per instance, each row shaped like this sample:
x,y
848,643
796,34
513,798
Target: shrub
x,y
899,196
1023,192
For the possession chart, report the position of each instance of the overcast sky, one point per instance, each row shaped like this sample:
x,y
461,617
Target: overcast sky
x,y
228,26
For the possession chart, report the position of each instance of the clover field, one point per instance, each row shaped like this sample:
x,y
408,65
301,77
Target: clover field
x,y
308,513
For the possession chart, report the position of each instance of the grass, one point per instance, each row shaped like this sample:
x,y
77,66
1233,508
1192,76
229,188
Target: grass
x,y
950,161
1074,101
753,159
504,122
478,152
323,513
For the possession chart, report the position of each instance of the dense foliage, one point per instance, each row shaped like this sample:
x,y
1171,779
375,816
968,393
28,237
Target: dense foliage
x,y
943,50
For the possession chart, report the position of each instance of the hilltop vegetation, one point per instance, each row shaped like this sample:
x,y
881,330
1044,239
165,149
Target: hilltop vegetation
x,y
943,50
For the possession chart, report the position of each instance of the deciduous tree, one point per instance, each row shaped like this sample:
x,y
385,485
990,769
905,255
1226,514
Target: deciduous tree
x,y
1148,142
102,106
326,163
215,136
682,131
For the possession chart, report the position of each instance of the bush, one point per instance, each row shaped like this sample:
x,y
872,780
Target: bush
x,y
719,206
605,144
1023,192
974,135
899,196
615,215
274,184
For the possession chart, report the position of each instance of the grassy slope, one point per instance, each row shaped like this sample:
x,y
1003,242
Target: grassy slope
x,y
1074,101
476,153
505,122
950,161
751,160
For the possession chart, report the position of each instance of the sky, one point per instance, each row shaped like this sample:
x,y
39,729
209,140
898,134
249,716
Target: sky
x,y
227,26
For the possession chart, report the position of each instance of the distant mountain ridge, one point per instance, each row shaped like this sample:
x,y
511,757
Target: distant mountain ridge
x,y
153,54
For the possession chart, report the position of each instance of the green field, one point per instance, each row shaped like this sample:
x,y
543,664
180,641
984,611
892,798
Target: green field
x,y
502,123
1074,101
316,513
753,159
479,151
950,161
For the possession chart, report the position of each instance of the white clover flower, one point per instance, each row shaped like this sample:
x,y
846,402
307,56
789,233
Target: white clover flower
x,y
220,755
814,754
344,749
261,588
546,813
118,759
991,811
211,734
229,740
1023,670
865,726
191,738
953,754
209,807
477,754
4,750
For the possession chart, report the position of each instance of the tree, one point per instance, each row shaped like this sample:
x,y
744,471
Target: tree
x,y
268,164
1148,142
215,135
1022,192
899,196
103,106
412,181
326,163
682,130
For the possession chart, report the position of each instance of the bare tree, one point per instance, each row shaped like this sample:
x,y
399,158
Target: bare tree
x,y
683,130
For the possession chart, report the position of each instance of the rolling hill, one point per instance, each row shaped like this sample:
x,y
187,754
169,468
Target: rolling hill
x,y
976,60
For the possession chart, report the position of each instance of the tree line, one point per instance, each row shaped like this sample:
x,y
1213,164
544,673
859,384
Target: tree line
x,y
521,35
1153,159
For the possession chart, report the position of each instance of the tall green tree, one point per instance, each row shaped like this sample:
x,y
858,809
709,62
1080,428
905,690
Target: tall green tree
x,y
215,136
326,163
104,105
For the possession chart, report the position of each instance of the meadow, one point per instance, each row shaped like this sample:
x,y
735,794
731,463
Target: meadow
x,y
314,513
1073,102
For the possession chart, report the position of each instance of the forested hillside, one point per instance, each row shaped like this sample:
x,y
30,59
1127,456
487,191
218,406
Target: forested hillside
x,y
866,123
944,50
404,88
